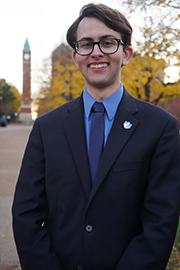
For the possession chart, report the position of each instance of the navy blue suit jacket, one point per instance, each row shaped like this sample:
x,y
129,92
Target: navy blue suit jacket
x,y
127,220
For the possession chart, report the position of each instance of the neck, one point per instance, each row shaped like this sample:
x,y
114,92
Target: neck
x,y
100,94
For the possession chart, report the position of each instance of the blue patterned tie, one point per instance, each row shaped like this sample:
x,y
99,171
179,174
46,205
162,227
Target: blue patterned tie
x,y
96,139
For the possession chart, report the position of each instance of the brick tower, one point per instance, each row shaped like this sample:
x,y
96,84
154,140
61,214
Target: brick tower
x,y
25,115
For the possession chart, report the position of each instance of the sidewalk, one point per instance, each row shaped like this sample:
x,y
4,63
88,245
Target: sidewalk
x,y
13,139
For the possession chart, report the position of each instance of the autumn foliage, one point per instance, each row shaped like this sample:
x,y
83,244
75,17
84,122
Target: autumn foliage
x,y
10,99
65,83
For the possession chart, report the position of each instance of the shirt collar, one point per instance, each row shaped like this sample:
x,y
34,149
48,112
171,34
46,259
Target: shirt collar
x,y
110,104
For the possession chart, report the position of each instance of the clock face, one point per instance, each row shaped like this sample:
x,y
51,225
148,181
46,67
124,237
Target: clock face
x,y
26,56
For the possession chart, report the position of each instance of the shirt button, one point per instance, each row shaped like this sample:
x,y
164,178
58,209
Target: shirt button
x,y
89,228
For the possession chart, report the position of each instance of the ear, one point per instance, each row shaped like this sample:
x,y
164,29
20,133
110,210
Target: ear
x,y
127,54
74,56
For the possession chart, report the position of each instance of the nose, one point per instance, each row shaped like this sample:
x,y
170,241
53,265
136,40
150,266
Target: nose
x,y
96,51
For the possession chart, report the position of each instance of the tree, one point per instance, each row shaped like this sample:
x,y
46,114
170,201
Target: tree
x,y
43,77
144,5
161,29
66,77
144,79
6,97
67,85
68,81
63,82
146,69
16,103
156,47
167,11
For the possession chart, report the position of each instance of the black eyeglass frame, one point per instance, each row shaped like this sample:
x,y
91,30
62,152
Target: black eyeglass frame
x,y
98,43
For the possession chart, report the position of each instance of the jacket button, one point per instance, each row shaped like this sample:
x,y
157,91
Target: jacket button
x,y
89,228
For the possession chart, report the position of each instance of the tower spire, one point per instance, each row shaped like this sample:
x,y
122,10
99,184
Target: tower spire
x,y
26,45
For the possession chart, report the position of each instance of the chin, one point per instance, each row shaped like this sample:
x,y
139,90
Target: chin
x,y
100,83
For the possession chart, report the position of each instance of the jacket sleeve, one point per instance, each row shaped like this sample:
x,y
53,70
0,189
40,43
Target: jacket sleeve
x,y
151,249
30,210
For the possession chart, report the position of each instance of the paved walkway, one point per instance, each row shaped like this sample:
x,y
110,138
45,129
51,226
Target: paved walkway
x,y
13,139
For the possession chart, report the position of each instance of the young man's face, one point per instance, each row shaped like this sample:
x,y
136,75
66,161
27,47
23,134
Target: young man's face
x,y
100,70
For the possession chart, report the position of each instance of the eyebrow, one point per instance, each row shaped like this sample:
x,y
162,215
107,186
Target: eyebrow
x,y
102,37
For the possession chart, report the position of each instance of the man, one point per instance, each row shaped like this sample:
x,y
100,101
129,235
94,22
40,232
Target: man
x,y
72,211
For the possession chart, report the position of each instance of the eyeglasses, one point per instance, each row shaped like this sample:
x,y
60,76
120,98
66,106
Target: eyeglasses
x,y
106,46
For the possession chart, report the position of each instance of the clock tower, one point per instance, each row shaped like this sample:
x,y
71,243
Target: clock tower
x,y
25,115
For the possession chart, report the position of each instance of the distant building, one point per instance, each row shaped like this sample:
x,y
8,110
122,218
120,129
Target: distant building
x,y
63,55
25,115
60,51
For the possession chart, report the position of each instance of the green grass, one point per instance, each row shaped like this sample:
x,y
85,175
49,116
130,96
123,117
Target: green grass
x,y
174,260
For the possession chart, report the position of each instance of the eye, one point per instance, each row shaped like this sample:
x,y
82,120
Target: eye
x,y
108,42
85,44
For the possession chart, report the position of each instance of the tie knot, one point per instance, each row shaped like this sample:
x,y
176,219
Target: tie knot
x,y
98,107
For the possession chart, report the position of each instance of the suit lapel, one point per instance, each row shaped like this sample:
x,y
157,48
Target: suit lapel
x,y
74,128
117,139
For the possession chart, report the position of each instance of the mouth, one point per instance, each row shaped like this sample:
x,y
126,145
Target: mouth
x,y
97,66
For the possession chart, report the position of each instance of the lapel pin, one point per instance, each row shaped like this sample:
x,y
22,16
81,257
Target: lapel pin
x,y
127,125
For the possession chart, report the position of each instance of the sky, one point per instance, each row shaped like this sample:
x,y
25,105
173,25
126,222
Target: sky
x,y
44,23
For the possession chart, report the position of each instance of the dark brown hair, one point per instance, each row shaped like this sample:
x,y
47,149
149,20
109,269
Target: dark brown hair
x,y
112,18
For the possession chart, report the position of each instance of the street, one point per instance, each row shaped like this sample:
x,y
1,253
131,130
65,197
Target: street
x,y
13,139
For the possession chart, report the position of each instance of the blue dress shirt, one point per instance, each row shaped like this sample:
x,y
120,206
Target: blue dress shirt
x,y
110,104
